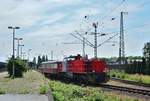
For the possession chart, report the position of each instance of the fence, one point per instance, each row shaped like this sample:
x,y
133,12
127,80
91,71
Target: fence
x,y
133,66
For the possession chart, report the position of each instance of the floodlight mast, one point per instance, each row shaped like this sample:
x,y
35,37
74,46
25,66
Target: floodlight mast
x,y
13,56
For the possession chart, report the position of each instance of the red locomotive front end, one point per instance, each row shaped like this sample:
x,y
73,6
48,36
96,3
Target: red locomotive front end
x,y
76,64
98,65
86,70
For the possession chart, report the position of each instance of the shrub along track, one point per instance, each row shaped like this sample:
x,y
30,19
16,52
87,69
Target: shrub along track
x,y
134,92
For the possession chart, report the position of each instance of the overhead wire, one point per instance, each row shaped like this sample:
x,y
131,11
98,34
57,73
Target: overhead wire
x,y
145,3
107,40
108,15
86,40
113,9
80,39
139,26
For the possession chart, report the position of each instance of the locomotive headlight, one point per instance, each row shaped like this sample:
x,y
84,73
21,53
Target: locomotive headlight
x,y
93,71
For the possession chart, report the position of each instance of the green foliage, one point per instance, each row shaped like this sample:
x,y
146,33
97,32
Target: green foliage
x,y
24,91
34,61
134,57
146,50
43,89
113,75
29,84
19,66
70,92
133,77
41,59
146,53
119,74
2,91
46,58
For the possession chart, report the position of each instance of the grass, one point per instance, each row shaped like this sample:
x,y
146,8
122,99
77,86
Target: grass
x,y
134,77
34,82
2,91
43,89
70,92
30,83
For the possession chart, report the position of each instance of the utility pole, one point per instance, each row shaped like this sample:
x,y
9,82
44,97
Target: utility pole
x,y
95,25
83,50
21,53
29,54
121,40
13,56
52,55
18,39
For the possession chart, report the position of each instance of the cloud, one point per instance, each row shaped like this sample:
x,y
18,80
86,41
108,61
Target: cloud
x,y
44,23
52,18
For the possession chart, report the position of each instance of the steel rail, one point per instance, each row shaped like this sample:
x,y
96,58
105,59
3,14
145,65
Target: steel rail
x,y
126,89
130,82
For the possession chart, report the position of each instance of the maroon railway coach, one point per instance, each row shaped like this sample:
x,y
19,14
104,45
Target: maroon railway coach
x,y
51,67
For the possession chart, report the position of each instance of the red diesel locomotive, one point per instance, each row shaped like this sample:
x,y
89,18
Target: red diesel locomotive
x,y
77,68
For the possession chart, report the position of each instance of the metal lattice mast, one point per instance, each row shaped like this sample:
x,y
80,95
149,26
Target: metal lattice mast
x,y
83,47
121,40
95,25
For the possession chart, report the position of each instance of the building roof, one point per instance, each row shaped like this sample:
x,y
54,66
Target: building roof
x,y
51,61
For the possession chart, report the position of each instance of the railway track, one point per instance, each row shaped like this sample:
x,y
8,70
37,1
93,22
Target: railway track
x,y
143,92
130,82
144,95
127,89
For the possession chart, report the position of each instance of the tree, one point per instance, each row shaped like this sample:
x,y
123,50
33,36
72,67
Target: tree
x,y
20,67
43,58
143,70
39,61
34,61
46,58
146,51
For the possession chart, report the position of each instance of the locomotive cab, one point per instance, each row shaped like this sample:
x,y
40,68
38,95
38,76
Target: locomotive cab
x,y
83,69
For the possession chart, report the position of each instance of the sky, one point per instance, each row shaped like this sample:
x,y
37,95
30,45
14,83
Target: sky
x,y
45,25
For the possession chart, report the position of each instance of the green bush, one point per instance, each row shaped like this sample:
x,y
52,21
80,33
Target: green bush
x,y
43,89
113,75
70,92
2,91
19,65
